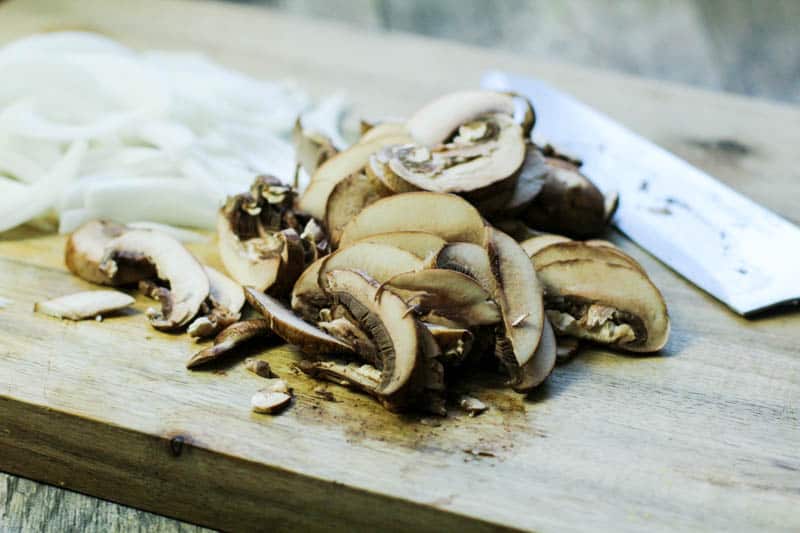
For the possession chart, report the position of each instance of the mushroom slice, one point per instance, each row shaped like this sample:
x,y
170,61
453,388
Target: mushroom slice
x,y
565,251
533,373
224,292
347,199
254,249
419,243
453,296
311,149
530,180
384,129
469,259
606,303
379,261
395,332
229,338
292,328
454,343
86,247
485,152
534,244
437,120
225,300
568,203
81,305
189,286
363,377
337,168
450,217
307,297
519,295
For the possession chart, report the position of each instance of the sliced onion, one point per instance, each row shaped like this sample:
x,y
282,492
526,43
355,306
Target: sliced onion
x,y
23,205
169,201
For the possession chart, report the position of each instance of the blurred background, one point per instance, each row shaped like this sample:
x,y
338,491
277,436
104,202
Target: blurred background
x,y
748,47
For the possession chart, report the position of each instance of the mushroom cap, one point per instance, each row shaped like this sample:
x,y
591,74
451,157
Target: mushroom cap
x,y
85,250
292,328
617,286
437,120
449,216
386,320
519,295
189,285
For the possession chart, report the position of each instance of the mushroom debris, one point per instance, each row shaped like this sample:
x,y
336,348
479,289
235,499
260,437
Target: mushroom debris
x,y
421,250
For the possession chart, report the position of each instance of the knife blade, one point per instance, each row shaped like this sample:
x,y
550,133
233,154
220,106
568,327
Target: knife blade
x,y
736,250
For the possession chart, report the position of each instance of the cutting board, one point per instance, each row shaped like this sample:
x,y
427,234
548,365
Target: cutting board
x,y
704,435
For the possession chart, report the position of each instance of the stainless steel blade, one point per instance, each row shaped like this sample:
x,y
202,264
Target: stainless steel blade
x,y
743,254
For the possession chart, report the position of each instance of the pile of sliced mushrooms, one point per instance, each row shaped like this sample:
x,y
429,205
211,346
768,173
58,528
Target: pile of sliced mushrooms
x,y
421,250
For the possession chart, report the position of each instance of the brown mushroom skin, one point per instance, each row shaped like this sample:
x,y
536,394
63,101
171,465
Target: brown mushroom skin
x,y
85,249
568,203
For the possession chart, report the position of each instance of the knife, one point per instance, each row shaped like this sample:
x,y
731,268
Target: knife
x,y
736,250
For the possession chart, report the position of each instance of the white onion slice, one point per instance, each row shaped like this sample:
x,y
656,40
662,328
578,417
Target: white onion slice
x,y
23,205
169,201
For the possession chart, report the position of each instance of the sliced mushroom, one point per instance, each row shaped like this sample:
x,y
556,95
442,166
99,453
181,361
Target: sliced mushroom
x,y
438,294
311,149
363,377
225,302
534,244
485,152
533,373
315,241
469,259
454,343
605,303
519,295
229,338
436,121
86,247
395,332
189,286
419,243
448,216
292,328
566,251
258,240
379,261
81,305
337,168
568,203
530,180
347,199
307,297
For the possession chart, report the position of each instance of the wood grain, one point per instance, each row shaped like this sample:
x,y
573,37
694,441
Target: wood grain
x,y
703,437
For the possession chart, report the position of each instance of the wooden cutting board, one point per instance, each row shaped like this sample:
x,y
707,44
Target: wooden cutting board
x,y
704,436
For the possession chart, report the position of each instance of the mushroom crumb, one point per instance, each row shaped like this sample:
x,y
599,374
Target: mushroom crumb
x,y
266,402
471,405
258,367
